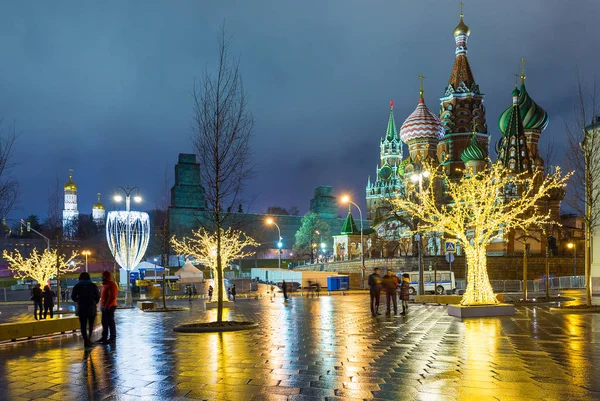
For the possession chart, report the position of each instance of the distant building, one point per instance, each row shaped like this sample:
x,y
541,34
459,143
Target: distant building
x,y
70,213
188,209
99,213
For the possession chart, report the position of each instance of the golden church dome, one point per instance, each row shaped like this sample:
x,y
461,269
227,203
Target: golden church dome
x,y
98,205
70,185
462,28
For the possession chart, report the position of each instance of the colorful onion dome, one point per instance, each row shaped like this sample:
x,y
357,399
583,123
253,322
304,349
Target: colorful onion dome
x,y
98,205
421,124
70,185
461,28
533,116
473,152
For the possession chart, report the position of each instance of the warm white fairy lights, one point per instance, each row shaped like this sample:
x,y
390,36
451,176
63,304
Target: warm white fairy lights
x,y
480,207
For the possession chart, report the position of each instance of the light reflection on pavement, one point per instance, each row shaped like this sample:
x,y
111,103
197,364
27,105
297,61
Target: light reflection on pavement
x,y
316,348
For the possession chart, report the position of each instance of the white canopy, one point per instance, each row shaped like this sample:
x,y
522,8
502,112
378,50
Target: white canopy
x,y
188,273
147,266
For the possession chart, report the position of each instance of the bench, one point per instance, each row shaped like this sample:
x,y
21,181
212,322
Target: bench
x,y
37,328
145,305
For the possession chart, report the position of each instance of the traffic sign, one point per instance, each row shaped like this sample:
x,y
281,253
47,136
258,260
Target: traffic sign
x,y
450,247
449,257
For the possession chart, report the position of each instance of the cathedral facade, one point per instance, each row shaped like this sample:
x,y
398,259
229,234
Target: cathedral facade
x,y
455,138
70,214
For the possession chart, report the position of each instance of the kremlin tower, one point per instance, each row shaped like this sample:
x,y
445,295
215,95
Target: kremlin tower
x,y
388,179
70,213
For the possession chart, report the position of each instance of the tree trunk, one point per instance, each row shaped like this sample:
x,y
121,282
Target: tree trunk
x,y
220,281
479,290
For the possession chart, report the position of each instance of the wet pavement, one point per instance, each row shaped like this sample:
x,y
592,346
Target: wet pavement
x,y
317,348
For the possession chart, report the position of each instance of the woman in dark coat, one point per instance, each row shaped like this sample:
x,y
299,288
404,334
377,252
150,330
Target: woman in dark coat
x,y
405,292
86,295
48,296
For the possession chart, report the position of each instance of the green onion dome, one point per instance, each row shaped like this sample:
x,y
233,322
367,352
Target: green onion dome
x,y
473,152
533,116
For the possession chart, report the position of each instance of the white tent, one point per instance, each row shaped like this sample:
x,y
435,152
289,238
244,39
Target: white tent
x,y
189,273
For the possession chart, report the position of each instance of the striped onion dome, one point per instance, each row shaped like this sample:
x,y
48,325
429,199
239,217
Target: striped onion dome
x,y
473,152
421,124
533,116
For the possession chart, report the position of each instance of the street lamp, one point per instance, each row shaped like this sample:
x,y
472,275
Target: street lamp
x,y
573,246
128,233
155,260
419,178
86,253
346,199
270,221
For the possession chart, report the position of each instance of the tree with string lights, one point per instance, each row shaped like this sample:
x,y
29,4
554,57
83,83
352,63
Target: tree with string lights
x,y
202,247
40,267
482,206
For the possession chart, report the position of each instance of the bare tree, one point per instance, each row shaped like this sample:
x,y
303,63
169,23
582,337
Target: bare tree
x,y
583,158
9,188
222,129
548,154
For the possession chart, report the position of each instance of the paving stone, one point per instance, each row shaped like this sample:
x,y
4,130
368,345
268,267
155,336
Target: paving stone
x,y
325,348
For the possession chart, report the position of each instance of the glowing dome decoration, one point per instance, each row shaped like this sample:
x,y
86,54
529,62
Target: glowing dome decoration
x,y
128,234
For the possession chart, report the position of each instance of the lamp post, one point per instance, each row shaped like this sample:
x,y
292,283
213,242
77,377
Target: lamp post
x,y
118,198
155,260
419,178
86,253
573,246
346,199
270,221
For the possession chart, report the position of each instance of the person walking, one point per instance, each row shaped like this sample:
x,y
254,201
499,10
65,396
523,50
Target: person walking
x,y
233,292
48,296
210,293
86,295
63,295
390,286
36,297
284,288
375,291
405,292
108,306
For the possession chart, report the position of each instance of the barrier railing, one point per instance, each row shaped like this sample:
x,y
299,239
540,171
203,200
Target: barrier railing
x,y
556,283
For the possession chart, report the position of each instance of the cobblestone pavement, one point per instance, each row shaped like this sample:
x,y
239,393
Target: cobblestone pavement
x,y
317,348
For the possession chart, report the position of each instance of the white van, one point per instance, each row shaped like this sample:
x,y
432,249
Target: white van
x,y
444,283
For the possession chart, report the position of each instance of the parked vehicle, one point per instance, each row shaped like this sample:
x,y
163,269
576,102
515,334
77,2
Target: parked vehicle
x,y
444,282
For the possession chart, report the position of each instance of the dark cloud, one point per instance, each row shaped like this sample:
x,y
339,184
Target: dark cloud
x,y
103,88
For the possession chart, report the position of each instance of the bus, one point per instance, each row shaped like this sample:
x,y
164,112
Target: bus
x,y
444,283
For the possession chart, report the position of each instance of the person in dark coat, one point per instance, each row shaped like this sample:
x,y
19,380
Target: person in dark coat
x,y
210,293
86,295
48,296
405,292
375,291
36,297
390,285
284,288
233,292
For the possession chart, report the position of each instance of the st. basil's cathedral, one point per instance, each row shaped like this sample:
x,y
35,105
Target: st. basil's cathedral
x,y
456,138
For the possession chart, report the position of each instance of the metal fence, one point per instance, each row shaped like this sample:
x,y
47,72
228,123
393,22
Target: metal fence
x,y
556,283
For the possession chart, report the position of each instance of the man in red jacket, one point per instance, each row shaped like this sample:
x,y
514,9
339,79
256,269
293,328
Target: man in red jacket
x,y
108,304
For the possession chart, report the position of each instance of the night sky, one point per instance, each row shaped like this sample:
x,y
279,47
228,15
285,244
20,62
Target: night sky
x,y
104,87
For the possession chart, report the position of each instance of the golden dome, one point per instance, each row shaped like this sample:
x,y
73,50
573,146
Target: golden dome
x,y
98,205
462,28
70,185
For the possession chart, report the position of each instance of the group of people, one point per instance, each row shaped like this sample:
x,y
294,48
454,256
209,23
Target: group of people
x,y
391,285
43,301
86,296
231,293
